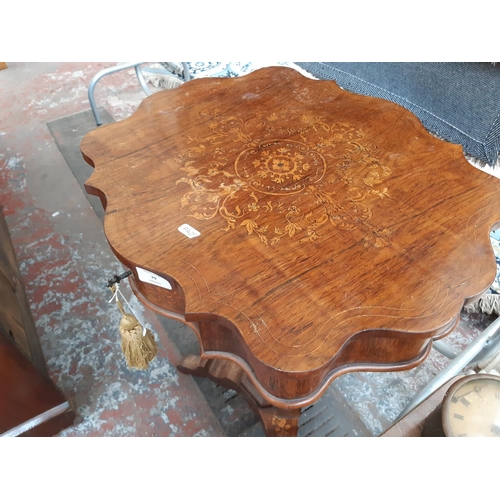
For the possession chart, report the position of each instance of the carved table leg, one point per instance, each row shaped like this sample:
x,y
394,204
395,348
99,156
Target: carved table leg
x,y
276,421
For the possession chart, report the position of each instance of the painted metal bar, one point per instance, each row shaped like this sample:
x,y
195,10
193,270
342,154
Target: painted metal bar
x,y
142,82
444,349
121,67
163,71
490,351
97,77
39,419
454,367
187,75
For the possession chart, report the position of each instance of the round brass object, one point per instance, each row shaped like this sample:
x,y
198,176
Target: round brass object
x,y
471,407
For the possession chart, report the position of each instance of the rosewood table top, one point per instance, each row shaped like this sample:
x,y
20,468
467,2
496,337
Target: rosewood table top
x,y
304,231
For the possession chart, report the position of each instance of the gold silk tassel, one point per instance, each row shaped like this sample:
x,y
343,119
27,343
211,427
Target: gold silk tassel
x,y
139,349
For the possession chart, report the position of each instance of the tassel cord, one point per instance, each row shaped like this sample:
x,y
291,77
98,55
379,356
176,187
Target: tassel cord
x,y
138,344
116,290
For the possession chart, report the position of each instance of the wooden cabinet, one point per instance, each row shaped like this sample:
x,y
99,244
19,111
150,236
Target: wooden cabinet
x,y
30,403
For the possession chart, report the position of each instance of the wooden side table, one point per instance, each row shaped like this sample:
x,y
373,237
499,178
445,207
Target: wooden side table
x,y
301,231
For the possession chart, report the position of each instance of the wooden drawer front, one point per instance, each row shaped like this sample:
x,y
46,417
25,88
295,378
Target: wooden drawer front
x,y
11,320
16,320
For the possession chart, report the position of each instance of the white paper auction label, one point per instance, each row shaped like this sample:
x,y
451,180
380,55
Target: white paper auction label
x,y
188,231
154,279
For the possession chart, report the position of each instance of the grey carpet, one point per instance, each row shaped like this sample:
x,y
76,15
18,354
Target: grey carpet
x,y
68,133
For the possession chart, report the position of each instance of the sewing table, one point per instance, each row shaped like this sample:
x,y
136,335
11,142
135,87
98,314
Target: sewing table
x,y
302,231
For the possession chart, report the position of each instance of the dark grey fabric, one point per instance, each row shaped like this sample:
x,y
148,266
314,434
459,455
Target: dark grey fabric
x,y
460,102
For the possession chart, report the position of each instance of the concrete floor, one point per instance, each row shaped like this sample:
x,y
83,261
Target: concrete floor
x,y
65,261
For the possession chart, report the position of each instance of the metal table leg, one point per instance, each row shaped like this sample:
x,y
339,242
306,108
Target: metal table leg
x,y
140,78
98,76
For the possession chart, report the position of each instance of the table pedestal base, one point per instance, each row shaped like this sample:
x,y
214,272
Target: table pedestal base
x,y
276,421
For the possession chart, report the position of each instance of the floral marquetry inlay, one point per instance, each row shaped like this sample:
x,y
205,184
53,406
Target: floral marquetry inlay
x,y
306,174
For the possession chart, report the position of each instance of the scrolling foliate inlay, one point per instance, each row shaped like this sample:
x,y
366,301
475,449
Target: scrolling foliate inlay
x,y
304,174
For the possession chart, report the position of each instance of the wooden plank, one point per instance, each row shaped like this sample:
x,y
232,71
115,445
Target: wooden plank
x,y
11,320
7,255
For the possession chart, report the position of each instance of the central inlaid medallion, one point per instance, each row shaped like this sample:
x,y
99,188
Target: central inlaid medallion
x,y
306,175
280,167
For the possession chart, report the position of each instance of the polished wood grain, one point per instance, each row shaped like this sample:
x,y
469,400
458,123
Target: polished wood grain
x,y
336,234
